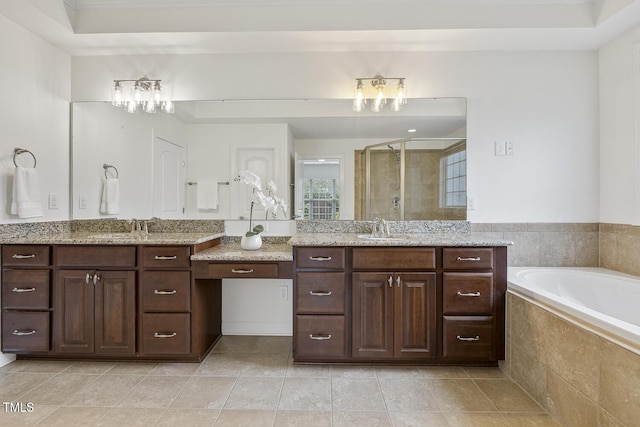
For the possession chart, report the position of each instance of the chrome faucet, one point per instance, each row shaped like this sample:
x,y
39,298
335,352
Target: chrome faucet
x,y
147,222
380,227
135,225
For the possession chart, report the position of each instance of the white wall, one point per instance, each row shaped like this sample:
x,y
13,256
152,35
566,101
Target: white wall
x,y
619,121
211,154
105,134
545,102
34,114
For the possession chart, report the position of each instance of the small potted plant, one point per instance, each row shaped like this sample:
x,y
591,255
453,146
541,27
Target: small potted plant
x,y
270,202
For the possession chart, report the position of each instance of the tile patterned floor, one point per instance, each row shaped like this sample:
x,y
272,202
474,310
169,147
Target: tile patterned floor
x,y
251,381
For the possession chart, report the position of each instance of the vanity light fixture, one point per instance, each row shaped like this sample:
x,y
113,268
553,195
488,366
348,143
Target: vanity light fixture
x,y
377,94
142,95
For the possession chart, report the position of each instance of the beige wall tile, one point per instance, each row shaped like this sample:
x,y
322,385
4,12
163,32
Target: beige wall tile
x,y
529,373
525,250
568,405
572,353
529,328
620,383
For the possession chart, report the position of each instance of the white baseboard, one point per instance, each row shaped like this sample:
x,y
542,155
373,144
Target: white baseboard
x,y
5,359
284,329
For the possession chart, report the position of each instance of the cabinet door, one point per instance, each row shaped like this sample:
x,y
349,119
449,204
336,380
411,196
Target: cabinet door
x,y
415,315
73,308
115,312
372,315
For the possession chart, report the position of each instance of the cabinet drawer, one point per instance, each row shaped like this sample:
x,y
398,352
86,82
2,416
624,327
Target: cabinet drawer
x,y
320,257
166,256
467,258
95,256
26,255
394,258
236,270
166,333
467,293
320,293
166,291
468,337
319,337
26,289
25,331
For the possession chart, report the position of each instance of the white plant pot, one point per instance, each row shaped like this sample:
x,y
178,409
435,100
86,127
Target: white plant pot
x,y
251,243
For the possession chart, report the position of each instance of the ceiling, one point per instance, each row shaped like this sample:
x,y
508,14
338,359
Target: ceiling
x,y
107,27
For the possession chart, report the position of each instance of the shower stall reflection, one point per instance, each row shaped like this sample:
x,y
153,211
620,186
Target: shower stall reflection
x,y
414,178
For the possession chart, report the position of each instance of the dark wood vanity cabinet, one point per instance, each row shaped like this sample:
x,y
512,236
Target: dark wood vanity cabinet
x,y
394,310
473,287
94,300
165,301
320,304
428,305
121,302
26,298
94,312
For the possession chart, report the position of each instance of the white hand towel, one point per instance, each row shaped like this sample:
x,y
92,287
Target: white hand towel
x,y
207,195
26,193
110,197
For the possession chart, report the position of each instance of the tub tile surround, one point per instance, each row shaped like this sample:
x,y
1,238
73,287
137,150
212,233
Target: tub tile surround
x,y
580,378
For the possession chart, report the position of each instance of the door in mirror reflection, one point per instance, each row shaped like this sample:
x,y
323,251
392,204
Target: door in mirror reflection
x,y
169,177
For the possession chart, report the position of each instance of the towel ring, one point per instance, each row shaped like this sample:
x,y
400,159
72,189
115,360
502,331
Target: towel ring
x,y
18,151
106,166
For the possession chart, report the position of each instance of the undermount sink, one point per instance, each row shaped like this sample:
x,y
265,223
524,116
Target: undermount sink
x,y
383,238
108,236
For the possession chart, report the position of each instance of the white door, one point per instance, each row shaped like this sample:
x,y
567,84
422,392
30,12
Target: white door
x,y
169,179
263,162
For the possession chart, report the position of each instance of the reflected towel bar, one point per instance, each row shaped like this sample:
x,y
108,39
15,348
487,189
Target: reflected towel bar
x,y
219,183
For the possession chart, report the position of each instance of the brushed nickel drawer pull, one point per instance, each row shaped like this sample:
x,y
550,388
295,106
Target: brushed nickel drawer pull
x,y
320,293
469,258
164,334
320,337
476,338
320,258
468,294
233,270
166,257
23,333
19,256
23,290
158,292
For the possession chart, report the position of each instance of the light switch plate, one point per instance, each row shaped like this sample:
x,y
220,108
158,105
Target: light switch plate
x,y
53,201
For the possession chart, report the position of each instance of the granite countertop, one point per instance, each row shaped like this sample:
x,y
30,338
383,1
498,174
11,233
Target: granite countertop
x,y
412,239
98,238
233,252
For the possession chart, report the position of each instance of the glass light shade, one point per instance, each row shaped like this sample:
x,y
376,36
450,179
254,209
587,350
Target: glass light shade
x,y
156,93
359,100
116,95
137,93
168,107
149,107
401,95
132,106
378,103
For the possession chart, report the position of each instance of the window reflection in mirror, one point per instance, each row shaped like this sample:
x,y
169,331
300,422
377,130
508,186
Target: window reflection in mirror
x,y
320,189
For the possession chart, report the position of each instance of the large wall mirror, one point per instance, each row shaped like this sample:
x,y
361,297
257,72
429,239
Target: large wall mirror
x,y
331,162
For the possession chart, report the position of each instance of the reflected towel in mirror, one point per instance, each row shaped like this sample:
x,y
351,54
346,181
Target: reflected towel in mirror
x,y
110,197
207,195
26,193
